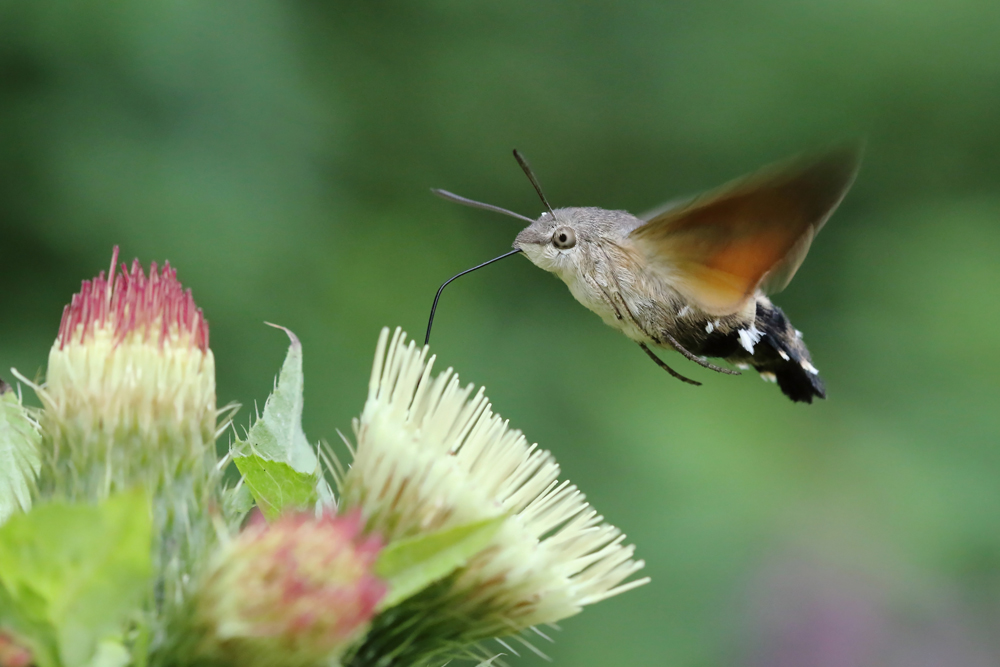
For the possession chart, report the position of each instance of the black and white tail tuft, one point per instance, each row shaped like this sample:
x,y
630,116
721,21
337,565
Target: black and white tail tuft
x,y
782,356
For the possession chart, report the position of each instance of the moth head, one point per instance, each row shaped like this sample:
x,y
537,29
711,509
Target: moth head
x,y
559,242
553,242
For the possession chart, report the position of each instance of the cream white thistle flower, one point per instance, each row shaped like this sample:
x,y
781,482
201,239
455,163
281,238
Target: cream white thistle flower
x,y
430,454
130,388
296,592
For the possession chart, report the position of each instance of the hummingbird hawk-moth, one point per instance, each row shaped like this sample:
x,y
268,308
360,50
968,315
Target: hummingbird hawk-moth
x,y
693,276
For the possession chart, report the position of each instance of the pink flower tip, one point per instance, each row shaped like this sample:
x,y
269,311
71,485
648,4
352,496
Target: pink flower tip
x,y
156,308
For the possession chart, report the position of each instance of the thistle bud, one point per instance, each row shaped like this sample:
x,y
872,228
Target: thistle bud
x,y
297,592
130,391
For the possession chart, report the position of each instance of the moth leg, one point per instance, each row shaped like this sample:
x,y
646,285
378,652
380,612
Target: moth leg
x,y
635,321
618,293
698,360
607,297
661,364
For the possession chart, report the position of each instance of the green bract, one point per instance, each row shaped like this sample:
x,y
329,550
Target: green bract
x,y
411,565
278,464
19,442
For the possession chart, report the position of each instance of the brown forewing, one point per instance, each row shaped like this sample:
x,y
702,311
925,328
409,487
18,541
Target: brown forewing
x,y
754,232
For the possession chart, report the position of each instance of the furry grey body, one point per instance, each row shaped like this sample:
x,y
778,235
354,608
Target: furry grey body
x,y
611,275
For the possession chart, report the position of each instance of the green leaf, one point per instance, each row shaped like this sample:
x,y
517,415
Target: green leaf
x,y
278,434
78,571
276,459
19,461
276,486
408,566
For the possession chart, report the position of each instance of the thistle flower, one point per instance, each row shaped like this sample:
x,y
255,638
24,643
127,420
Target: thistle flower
x,y
130,391
296,592
129,400
429,457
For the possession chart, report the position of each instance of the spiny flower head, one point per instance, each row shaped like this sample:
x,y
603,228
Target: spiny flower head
x,y
296,592
131,380
431,455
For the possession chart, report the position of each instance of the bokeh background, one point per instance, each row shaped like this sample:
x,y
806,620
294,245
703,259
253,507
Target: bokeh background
x,y
280,155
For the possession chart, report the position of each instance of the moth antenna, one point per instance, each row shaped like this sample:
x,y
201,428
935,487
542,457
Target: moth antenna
x,y
430,320
451,196
521,160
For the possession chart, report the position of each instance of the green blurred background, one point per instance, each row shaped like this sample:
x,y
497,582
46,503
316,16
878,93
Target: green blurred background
x,y
280,155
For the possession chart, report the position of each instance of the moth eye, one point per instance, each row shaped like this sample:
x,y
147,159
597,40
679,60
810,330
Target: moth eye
x,y
563,238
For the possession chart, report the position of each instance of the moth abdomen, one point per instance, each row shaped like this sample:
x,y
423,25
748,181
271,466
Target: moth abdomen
x,y
782,356
769,343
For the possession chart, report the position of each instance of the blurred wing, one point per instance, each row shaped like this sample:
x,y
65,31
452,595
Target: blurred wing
x,y
718,249
665,207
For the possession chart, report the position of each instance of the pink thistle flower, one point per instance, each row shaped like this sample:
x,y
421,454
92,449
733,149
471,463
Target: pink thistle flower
x,y
129,400
295,592
130,387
